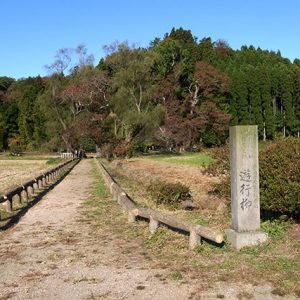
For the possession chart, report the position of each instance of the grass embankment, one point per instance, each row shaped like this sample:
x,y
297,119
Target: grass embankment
x,y
190,159
276,262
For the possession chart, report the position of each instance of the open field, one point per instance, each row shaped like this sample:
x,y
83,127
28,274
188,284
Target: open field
x,y
277,261
86,249
191,159
16,171
101,239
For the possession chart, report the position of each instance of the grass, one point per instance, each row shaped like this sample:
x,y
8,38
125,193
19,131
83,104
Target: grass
x,y
277,261
54,161
48,159
189,159
23,157
175,276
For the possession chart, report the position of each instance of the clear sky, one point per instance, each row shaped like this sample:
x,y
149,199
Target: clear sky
x,y
33,30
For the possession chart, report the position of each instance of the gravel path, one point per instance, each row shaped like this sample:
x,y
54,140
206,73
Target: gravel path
x,y
50,255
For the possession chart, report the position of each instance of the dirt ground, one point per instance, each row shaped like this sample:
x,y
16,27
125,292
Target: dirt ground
x,y
49,255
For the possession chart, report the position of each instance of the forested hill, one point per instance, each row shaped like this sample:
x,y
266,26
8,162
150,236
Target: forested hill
x,y
178,93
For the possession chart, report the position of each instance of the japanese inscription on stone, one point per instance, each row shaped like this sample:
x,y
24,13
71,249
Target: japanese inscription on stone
x,y
244,178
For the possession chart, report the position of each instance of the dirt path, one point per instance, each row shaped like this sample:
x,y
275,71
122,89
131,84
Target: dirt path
x,y
50,255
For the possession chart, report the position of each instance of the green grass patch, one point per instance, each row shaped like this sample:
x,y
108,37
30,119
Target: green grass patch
x,y
54,161
189,159
275,228
175,276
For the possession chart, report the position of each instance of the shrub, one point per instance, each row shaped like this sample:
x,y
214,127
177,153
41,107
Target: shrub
x,y
16,144
170,194
280,177
221,165
107,151
121,149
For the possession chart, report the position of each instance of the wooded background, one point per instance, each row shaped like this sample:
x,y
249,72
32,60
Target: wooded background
x,y
178,93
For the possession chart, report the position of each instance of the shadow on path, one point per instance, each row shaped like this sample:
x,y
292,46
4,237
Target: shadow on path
x,y
13,220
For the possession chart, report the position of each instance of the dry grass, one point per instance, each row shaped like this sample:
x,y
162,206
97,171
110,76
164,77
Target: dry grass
x,y
14,173
8,296
277,261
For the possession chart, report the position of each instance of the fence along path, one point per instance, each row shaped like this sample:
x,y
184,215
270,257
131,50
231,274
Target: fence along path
x,y
51,254
27,189
155,217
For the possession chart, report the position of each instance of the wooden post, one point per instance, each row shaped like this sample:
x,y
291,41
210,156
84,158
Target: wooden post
x,y
131,217
153,225
30,190
119,197
9,205
35,186
195,239
24,195
17,199
40,184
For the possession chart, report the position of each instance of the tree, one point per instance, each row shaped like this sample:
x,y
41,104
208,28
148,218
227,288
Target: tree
x,y
296,96
240,97
207,81
132,102
31,121
171,53
185,37
221,47
3,133
5,83
61,63
205,50
286,90
254,100
154,43
214,124
266,100
88,103
64,58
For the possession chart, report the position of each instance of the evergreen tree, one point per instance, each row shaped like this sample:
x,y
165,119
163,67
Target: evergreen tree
x,y
240,97
3,133
205,50
296,96
254,100
286,91
266,100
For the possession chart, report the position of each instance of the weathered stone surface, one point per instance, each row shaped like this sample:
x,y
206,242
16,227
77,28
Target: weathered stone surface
x,y
244,172
242,239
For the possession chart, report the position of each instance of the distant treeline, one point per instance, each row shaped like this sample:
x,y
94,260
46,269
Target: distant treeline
x,y
178,93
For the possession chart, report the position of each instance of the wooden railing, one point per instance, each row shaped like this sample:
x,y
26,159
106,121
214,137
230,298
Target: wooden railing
x,y
67,155
155,217
22,192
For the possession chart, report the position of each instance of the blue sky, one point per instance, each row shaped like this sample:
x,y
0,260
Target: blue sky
x,y
33,30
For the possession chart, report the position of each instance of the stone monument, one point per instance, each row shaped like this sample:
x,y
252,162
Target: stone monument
x,y
244,173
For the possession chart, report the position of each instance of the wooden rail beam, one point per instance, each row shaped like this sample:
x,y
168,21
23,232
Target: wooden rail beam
x,y
155,217
30,186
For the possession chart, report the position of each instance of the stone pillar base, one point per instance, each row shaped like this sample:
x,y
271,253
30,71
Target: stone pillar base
x,y
242,239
